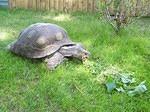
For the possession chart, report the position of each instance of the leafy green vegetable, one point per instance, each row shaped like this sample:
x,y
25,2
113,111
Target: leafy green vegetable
x,y
141,88
110,86
126,78
120,89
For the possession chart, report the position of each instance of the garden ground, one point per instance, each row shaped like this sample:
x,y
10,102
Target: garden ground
x,y
28,86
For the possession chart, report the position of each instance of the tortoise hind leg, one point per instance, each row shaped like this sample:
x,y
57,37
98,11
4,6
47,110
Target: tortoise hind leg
x,y
54,61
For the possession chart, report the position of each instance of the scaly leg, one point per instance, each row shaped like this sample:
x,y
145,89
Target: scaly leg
x,y
54,61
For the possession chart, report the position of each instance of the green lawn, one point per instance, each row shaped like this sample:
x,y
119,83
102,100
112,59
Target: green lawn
x,y
28,86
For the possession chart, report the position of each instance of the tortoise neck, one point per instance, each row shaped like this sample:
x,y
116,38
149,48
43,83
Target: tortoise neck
x,y
68,50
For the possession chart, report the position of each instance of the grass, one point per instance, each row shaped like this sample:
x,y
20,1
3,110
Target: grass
x,y
28,86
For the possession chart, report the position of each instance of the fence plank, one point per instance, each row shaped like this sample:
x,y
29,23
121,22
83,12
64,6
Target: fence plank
x,y
47,4
43,4
57,5
61,5
14,3
37,4
34,4
70,5
30,4
90,5
52,4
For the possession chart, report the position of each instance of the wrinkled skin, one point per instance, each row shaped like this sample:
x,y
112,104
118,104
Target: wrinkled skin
x,y
74,50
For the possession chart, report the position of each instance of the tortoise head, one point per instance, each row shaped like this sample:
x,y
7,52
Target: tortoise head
x,y
75,50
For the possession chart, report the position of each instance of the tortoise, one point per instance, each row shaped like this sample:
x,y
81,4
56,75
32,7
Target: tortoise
x,y
48,41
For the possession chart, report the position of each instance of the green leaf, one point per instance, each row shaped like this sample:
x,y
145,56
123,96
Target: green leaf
x,y
141,88
120,89
126,78
111,86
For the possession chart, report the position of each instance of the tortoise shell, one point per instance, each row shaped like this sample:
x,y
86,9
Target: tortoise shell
x,y
40,40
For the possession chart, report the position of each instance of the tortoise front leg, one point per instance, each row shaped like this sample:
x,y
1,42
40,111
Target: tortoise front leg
x,y
54,61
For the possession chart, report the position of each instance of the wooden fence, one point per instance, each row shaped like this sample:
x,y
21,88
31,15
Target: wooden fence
x,y
138,6
60,5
